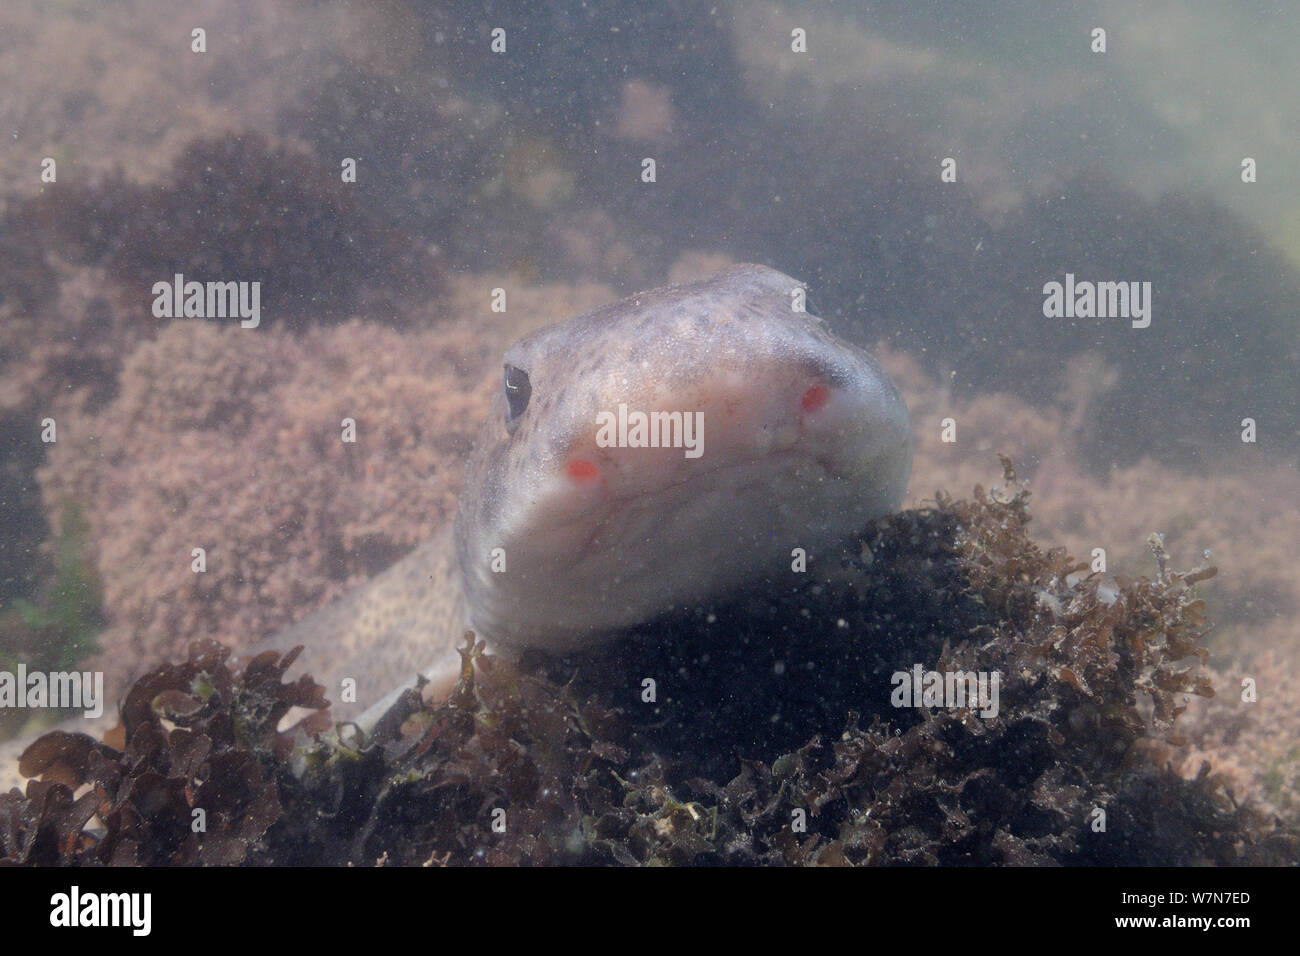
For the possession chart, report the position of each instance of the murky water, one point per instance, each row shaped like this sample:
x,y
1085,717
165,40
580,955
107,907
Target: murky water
x,y
1071,236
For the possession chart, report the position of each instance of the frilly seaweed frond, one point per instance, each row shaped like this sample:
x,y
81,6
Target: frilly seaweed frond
x,y
196,780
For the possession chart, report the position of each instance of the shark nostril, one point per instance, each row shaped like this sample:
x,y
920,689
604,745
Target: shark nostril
x,y
815,398
582,470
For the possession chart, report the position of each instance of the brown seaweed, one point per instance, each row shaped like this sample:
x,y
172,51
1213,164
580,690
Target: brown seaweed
x,y
564,763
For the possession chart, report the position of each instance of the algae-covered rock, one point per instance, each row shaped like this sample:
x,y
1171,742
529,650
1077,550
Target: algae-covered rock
x,y
766,730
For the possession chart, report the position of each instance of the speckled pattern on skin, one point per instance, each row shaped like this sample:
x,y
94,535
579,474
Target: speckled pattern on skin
x,y
662,531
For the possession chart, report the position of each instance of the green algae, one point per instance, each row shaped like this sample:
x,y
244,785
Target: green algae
x,y
61,626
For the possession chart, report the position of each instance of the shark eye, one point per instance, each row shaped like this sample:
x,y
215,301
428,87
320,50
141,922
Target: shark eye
x,y
518,390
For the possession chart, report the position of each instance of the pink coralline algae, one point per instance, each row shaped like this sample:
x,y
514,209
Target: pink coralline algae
x,y
232,441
